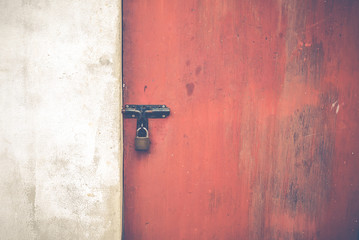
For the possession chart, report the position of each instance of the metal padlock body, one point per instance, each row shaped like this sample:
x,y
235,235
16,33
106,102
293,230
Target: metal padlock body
x,y
142,143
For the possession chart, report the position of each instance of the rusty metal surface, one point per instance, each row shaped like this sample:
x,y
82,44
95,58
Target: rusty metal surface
x,y
263,137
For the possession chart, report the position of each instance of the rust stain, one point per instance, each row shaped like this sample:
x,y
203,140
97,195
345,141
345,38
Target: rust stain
x,y
190,88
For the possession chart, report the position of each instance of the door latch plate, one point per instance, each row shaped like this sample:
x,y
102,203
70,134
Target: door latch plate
x,y
144,112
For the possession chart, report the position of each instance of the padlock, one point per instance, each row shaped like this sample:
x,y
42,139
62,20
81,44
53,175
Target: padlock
x,y
142,140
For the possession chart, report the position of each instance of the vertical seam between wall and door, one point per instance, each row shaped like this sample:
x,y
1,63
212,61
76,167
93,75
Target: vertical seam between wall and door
x,y
121,119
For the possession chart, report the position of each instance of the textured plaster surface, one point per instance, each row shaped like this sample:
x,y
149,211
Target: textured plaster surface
x,y
60,123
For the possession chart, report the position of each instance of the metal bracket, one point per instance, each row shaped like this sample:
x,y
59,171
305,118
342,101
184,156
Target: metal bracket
x,y
144,112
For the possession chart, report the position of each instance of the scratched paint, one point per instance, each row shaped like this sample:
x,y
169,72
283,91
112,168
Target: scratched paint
x,y
262,141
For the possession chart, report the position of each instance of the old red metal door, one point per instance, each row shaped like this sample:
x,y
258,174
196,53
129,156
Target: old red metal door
x,y
263,137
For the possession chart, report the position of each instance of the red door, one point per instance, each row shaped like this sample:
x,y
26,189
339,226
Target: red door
x,y
263,137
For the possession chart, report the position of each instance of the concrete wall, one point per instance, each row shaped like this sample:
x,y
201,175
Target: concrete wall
x,y
60,165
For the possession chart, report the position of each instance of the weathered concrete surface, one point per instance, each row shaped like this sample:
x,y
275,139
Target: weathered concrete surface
x,y
60,121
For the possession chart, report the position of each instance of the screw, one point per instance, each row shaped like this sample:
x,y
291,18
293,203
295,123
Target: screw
x,y
163,116
133,116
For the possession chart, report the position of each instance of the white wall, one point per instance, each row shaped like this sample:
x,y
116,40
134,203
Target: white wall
x,y
60,124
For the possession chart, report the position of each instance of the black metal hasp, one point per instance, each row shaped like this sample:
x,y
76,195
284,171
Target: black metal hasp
x,y
144,112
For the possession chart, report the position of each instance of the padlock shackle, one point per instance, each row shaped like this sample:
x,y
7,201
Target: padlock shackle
x,y
140,129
